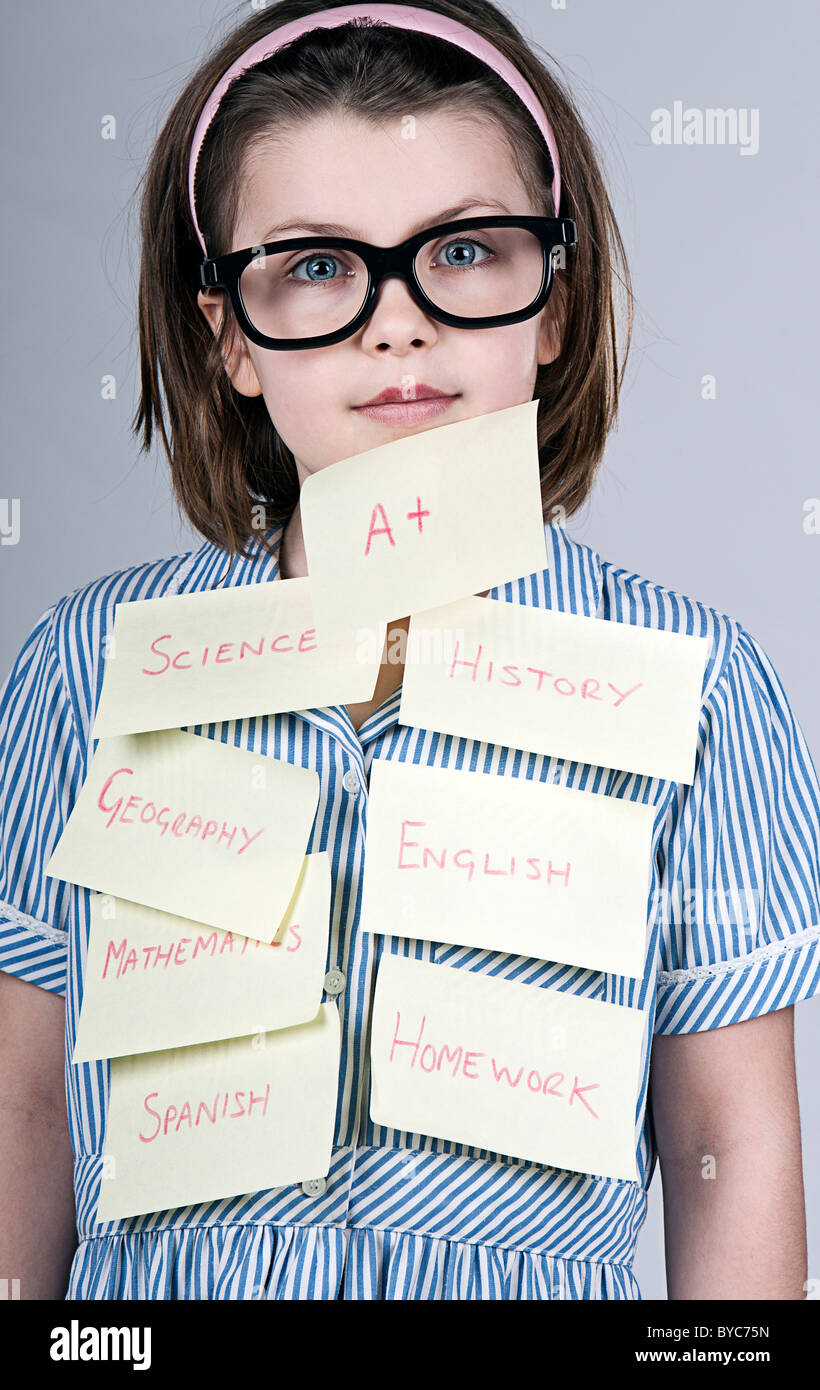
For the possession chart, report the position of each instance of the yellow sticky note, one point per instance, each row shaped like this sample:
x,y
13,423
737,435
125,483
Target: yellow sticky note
x,y
153,980
614,694
531,1073
226,654
202,829
408,526
193,1124
506,864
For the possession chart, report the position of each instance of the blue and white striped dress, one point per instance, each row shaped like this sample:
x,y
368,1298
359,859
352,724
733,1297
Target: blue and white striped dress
x,y
408,1216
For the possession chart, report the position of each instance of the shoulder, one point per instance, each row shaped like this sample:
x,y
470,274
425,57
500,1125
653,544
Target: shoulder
x,y
628,597
69,636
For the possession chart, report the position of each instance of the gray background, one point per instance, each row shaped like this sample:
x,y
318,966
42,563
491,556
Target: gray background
x,y
705,497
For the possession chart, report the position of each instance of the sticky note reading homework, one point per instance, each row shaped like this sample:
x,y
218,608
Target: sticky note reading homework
x,y
531,1073
423,520
153,981
197,828
193,1124
507,864
614,694
226,654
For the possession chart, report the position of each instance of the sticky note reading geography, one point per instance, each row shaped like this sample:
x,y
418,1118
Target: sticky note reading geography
x,y
153,980
407,526
226,654
532,1073
506,864
614,694
193,1124
194,827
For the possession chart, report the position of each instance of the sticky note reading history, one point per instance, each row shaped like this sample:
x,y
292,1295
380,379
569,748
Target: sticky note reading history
x,y
193,1124
197,828
532,1073
423,520
154,981
614,694
506,864
226,654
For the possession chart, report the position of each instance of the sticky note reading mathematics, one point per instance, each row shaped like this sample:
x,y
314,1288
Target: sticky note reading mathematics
x,y
226,654
198,828
154,981
531,1073
507,864
423,520
194,1124
613,694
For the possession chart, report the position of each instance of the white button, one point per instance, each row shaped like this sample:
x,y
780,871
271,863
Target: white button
x,y
334,981
350,781
314,1187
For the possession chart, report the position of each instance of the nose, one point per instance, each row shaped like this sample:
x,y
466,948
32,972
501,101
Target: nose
x,y
396,320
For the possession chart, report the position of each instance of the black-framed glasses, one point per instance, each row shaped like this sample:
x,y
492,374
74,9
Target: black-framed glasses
x,y
478,272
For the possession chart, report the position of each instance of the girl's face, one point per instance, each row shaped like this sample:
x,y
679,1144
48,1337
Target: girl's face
x,y
380,187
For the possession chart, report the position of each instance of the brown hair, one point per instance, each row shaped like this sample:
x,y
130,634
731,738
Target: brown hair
x,y
228,464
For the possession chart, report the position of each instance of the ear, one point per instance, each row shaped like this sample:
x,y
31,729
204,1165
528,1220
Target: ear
x,y
237,359
553,318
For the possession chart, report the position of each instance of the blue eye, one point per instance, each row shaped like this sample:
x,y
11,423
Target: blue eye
x,y
319,267
469,259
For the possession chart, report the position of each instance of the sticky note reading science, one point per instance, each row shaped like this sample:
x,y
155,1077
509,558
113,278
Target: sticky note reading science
x,y
194,1124
613,694
507,864
154,981
201,829
532,1073
226,654
424,520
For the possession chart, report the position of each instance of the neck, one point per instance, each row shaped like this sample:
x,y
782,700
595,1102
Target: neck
x,y
292,557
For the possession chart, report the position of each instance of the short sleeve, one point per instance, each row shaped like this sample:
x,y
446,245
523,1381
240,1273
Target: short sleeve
x,y
39,771
739,907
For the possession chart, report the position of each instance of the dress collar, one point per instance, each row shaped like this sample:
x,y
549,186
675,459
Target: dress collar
x,y
570,583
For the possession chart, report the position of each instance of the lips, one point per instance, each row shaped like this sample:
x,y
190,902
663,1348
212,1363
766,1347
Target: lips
x,y
392,394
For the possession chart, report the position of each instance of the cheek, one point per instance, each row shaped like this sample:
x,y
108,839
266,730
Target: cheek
x,y
293,391
503,360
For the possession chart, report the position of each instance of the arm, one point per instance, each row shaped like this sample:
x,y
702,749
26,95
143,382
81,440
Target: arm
x,y
37,1216
731,1093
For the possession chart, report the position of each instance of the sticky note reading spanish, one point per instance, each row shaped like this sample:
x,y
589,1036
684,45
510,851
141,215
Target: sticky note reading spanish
x,y
506,864
613,694
226,654
153,980
194,827
194,1124
532,1073
409,526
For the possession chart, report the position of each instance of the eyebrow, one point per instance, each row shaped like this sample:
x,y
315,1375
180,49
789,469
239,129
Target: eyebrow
x,y
337,229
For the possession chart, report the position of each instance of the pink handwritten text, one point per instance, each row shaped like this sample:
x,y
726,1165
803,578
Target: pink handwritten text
x,y
126,957
465,859
562,685
456,1061
170,1115
182,824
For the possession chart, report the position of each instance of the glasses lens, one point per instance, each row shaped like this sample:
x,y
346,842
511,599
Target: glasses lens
x,y
303,294
483,271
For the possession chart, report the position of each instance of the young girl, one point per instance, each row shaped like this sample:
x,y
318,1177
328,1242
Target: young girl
x,y
375,131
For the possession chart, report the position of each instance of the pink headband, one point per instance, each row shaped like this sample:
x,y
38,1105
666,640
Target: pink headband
x,y
400,17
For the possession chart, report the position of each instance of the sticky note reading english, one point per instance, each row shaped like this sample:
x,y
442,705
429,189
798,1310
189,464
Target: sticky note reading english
x,y
226,654
507,864
613,694
153,980
193,1124
531,1073
424,520
194,827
